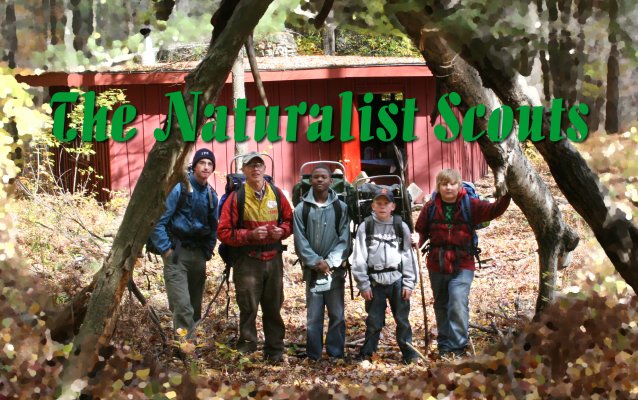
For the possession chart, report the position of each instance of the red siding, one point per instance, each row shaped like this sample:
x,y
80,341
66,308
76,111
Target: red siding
x,y
426,155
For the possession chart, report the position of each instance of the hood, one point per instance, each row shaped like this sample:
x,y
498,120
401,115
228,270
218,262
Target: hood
x,y
310,198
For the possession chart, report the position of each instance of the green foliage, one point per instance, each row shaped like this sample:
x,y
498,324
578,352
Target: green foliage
x,y
368,44
41,173
352,43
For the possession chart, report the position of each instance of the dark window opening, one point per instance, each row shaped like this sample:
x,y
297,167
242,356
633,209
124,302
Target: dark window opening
x,y
379,157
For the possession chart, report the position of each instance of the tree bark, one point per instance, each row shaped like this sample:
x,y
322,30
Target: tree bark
x,y
160,173
615,232
613,73
239,92
9,34
82,24
512,170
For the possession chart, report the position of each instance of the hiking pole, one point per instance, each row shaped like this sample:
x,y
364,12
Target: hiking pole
x,y
225,277
425,313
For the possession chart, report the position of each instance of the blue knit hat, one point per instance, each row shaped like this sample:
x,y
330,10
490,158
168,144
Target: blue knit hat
x,y
203,153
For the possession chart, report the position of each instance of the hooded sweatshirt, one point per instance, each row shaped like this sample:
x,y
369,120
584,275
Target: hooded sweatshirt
x,y
383,254
319,240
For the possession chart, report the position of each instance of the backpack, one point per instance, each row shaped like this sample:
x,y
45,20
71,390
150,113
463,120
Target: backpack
x,y
467,216
183,193
235,184
343,188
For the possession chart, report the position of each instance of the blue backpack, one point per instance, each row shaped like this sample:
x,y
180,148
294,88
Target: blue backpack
x,y
467,216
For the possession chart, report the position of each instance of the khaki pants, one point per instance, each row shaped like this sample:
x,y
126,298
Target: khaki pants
x,y
260,283
185,277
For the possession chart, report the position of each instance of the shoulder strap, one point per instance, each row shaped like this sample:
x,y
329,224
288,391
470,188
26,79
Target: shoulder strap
x,y
183,193
467,216
280,217
369,225
338,215
304,214
397,223
241,201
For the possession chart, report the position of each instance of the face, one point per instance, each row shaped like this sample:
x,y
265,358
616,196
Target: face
x,y
254,171
383,208
449,191
203,169
321,180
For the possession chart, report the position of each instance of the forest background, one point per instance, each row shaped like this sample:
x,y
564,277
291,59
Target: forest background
x,y
581,342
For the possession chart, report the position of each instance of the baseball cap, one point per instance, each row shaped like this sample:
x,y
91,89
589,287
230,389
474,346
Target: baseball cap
x,y
248,157
385,192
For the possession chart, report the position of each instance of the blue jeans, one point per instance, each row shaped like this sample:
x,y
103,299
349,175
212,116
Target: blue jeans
x,y
376,319
316,303
451,307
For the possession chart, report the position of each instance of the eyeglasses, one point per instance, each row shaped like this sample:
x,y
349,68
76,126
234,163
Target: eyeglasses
x,y
254,165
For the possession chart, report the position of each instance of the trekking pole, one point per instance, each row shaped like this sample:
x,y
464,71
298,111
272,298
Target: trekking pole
x,y
225,277
425,313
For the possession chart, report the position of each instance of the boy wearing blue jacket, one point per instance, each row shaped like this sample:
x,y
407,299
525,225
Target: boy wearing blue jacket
x,y
185,236
322,237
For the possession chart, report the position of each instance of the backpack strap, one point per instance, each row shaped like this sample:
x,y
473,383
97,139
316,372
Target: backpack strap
x,y
280,218
335,206
397,223
369,226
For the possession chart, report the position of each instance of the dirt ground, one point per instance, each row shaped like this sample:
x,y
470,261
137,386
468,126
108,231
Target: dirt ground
x,y
503,297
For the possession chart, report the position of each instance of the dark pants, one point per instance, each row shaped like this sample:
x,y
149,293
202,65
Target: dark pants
x,y
376,319
185,276
260,283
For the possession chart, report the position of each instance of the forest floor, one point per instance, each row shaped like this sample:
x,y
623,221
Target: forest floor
x,y
65,240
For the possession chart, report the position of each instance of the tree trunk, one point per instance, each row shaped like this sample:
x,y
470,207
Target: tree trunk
x,y
160,173
613,73
329,28
82,24
57,21
9,34
65,324
239,92
614,231
511,168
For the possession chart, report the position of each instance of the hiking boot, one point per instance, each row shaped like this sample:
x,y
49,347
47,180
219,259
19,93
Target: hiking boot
x,y
413,361
273,359
246,347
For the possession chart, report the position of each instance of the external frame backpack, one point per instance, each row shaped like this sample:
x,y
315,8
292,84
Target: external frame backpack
x,y
235,184
183,194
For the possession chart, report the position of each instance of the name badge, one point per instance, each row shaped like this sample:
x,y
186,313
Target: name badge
x,y
271,204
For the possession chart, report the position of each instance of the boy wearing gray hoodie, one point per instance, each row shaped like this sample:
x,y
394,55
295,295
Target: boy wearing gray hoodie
x,y
383,266
322,239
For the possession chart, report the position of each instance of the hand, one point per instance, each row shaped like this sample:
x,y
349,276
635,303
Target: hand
x,y
259,233
276,232
167,254
415,239
323,266
405,294
367,295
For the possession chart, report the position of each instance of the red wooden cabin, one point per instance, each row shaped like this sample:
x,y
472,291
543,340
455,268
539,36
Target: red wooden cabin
x,y
121,163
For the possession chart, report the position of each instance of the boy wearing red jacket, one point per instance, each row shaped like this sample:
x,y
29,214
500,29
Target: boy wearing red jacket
x,y
450,260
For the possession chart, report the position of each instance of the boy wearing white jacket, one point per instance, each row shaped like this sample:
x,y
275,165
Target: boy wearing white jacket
x,y
383,266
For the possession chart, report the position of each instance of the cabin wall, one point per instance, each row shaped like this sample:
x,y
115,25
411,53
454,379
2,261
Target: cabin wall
x,y
426,155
